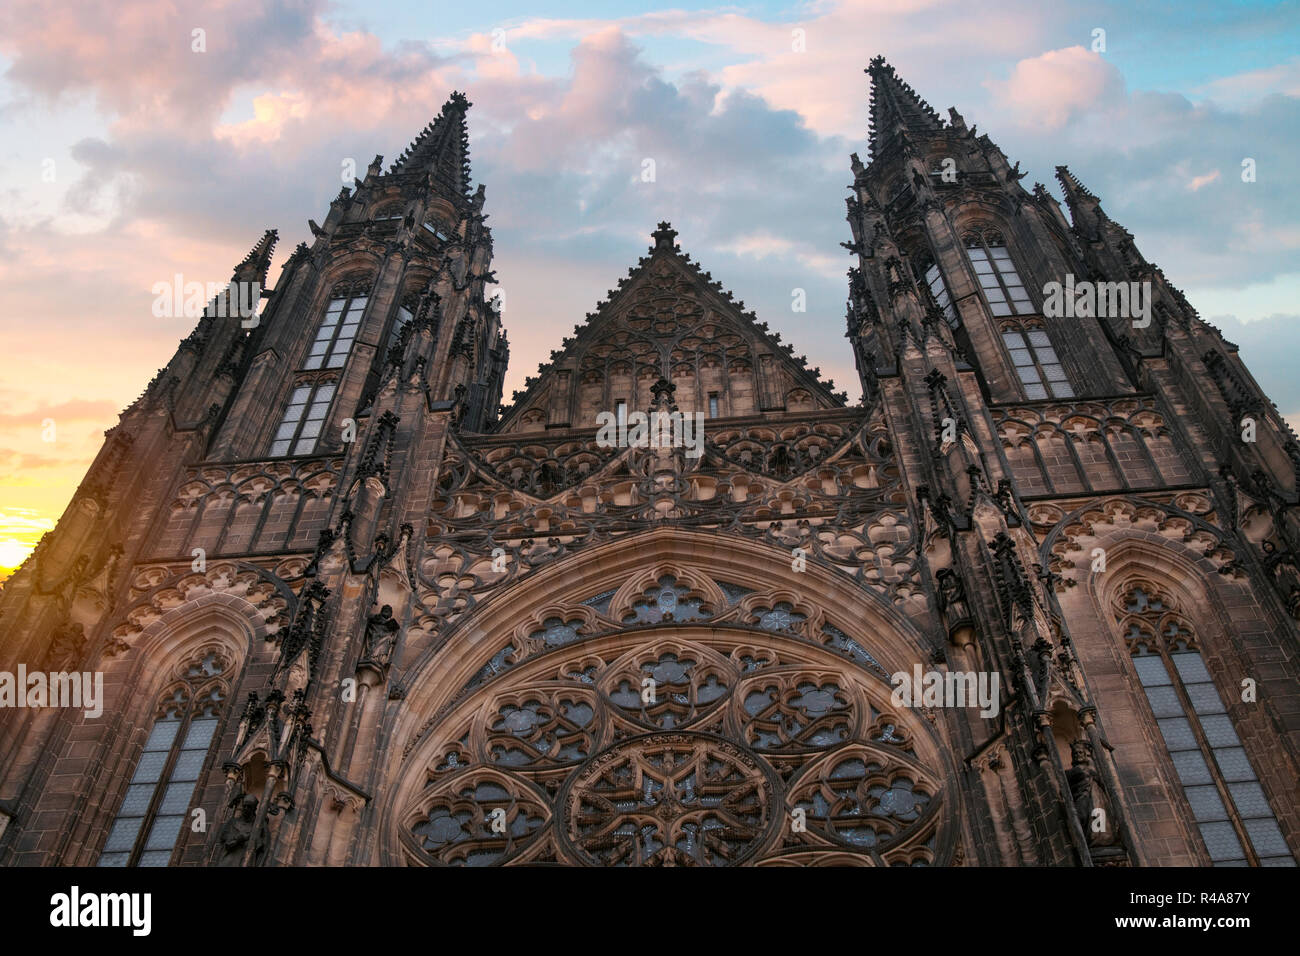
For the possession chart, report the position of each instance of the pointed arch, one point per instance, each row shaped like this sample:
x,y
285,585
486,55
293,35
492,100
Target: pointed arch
x,y
224,624
545,681
1181,638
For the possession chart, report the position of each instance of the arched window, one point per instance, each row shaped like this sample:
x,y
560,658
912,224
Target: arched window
x,y
669,750
338,329
156,807
1229,806
303,419
1000,282
1035,360
681,721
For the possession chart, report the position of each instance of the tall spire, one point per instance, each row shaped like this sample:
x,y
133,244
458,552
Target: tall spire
x,y
442,148
1075,191
894,105
257,263
1085,207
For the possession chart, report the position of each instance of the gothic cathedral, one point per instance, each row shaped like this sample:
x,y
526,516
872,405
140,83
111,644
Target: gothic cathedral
x,y
351,609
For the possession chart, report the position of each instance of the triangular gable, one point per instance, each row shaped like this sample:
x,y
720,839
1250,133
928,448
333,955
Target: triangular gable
x,y
669,319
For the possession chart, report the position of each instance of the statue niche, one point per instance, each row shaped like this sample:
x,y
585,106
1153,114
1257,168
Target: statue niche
x,y
1090,795
238,830
381,635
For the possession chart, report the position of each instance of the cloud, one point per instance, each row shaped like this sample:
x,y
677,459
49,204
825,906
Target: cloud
x,y
23,461
1052,88
73,410
1244,88
20,530
192,155
139,58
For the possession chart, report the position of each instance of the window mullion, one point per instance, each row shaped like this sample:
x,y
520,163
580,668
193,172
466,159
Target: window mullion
x,y
338,327
302,419
997,274
1207,752
334,334
1048,384
160,788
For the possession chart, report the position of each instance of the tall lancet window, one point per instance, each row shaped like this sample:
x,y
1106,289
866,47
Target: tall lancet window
x,y
338,329
156,808
939,289
999,280
405,313
1035,360
304,419
1223,792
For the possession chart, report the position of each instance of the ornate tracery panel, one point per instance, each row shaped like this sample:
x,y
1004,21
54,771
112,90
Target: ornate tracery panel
x,y
679,746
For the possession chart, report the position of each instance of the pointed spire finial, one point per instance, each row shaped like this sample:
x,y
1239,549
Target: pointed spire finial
x,y
1085,207
442,148
895,106
664,236
1071,185
257,263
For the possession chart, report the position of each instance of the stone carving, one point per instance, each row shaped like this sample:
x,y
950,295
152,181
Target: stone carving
x,y
236,832
381,634
1089,795
675,752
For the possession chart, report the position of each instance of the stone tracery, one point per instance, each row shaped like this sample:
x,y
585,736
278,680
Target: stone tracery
x,y
676,746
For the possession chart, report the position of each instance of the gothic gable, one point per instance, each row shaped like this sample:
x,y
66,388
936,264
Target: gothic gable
x,y
668,319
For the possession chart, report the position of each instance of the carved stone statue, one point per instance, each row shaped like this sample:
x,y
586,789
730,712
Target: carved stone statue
x,y
236,832
66,649
951,590
1089,796
381,635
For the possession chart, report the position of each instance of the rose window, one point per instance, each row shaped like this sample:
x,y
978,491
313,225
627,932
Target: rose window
x,y
690,751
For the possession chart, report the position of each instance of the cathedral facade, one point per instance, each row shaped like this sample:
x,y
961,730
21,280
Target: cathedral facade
x,y
1032,601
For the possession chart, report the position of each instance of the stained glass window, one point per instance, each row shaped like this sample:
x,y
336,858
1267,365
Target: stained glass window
x,y
998,278
303,420
667,601
337,331
154,812
405,313
1036,362
939,289
1233,815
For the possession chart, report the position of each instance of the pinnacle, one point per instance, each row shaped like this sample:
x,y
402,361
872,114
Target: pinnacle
x,y
895,105
257,263
664,236
442,148
1085,208
1071,185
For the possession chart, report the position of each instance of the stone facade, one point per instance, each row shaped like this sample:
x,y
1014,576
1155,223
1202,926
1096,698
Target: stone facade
x,y
351,610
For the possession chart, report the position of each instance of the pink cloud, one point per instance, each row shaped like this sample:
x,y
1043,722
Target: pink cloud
x,y
1052,88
